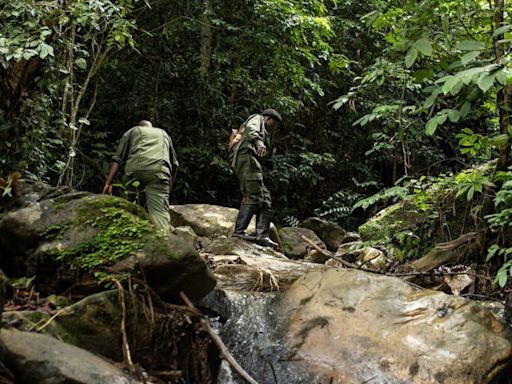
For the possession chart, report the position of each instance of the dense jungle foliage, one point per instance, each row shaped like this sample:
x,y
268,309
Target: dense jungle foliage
x,y
379,98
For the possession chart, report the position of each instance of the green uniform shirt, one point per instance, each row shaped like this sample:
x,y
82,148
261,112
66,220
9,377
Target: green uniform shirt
x,y
254,136
146,148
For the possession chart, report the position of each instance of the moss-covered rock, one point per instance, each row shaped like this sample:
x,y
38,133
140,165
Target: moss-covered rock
x,y
396,218
330,233
81,235
294,246
430,214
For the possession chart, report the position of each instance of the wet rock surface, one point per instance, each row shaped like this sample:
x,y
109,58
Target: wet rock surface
x,y
349,326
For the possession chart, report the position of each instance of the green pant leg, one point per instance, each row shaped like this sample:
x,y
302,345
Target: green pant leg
x,y
156,187
249,172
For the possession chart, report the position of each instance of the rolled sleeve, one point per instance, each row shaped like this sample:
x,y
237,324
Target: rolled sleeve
x,y
253,131
123,149
174,158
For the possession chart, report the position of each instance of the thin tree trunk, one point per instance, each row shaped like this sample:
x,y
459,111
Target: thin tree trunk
x,y
206,39
503,95
503,104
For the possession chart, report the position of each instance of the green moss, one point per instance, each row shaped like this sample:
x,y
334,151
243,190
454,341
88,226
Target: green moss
x,y
112,202
155,247
386,224
38,321
54,232
121,235
122,232
60,201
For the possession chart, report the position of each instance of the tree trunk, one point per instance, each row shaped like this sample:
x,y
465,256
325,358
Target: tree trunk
x,y
503,104
206,39
503,95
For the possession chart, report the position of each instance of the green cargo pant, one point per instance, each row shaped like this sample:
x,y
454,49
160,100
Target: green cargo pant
x,y
156,186
248,170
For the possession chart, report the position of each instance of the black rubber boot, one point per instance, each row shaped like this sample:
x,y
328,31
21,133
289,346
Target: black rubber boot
x,y
262,228
242,222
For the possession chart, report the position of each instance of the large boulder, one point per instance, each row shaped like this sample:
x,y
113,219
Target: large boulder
x,y
156,336
394,219
35,358
330,233
349,326
206,220
80,234
399,333
295,247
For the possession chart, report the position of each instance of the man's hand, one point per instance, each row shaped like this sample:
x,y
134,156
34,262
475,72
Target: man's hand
x,y
107,189
261,151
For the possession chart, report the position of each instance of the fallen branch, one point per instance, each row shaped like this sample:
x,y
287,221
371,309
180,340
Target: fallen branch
x,y
48,322
344,262
126,346
400,274
217,340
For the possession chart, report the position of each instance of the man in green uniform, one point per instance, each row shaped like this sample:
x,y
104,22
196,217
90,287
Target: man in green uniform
x,y
245,159
148,155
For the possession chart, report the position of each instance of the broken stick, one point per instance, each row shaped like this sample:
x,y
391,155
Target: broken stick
x,y
217,340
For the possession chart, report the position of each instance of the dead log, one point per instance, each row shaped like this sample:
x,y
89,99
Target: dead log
x,y
443,253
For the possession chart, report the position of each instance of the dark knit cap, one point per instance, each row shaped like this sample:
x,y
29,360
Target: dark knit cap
x,y
272,113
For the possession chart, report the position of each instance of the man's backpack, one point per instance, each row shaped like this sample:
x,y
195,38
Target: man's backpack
x,y
236,136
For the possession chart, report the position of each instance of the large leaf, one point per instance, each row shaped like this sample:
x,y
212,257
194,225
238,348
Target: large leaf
x,y
500,140
502,30
424,46
501,76
411,56
449,84
470,45
469,57
453,115
431,126
45,50
430,100
485,82
464,110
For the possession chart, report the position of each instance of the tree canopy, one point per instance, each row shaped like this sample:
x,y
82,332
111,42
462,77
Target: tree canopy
x,y
377,97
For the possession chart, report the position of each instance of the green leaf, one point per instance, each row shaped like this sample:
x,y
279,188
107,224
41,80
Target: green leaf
x,y
449,84
462,190
340,101
485,82
456,88
464,110
476,70
424,46
83,120
45,50
411,57
500,140
470,45
501,277
453,115
430,100
469,57
446,25
431,126
502,30
471,193
501,76
81,63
